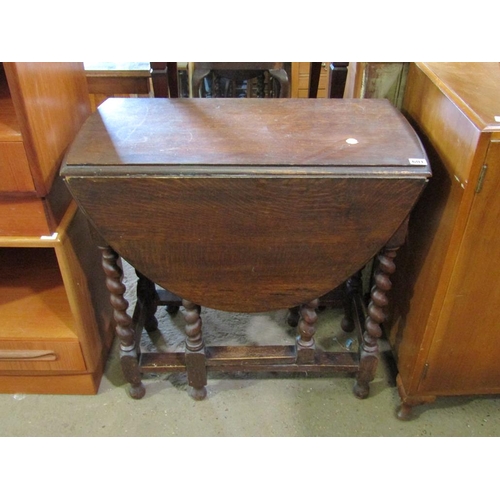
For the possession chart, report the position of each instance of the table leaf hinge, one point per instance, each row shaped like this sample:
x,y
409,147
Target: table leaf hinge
x,y
424,371
480,181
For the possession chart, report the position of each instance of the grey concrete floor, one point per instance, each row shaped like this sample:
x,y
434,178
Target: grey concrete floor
x,y
264,405
240,405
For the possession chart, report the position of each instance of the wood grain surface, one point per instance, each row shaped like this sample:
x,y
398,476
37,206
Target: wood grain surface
x,y
246,205
177,133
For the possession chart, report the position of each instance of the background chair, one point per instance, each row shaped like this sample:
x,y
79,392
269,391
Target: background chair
x,y
239,79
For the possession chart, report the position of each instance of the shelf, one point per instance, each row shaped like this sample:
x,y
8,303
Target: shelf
x,y
39,289
38,327
55,318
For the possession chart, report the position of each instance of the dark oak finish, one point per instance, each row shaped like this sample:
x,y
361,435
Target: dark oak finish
x,y
124,323
165,79
247,205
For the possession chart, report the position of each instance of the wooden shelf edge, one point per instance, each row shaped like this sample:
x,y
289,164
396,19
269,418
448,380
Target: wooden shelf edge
x,y
45,241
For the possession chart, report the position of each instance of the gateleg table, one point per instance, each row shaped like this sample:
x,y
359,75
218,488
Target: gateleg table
x,y
247,205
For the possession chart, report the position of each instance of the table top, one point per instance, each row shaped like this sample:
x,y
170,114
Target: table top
x,y
246,204
283,136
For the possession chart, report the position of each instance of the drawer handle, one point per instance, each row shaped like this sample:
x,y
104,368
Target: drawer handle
x,y
30,355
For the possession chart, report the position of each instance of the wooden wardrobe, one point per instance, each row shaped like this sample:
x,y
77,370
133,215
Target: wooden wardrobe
x,y
445,328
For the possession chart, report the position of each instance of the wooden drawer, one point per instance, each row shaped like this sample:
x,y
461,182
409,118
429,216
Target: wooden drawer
x,y
27,355
14,169
38,329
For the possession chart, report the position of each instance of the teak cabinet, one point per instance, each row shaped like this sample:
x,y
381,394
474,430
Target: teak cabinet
x,y
55,318
444,330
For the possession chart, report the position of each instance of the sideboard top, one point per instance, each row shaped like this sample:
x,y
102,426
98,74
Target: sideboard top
x,y
185,136
473,86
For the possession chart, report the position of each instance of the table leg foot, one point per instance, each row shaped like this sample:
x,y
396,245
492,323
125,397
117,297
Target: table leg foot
x,y
198,394
347,324
367,369
137,392
361,391
404,412
130,369
195,351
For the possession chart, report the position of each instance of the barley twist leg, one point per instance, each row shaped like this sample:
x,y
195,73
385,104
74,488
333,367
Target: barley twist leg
x,y
195,351
129,352
376,316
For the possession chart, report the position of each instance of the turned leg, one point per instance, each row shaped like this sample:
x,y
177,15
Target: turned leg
x,y
352,287
260,85
195,351
147,300
307,328
373,331
369,351
129,350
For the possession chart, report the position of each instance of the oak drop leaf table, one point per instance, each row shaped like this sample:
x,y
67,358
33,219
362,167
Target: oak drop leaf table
x,y
247,205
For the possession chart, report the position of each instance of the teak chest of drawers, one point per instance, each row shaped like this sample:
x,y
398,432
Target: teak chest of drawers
x,y
56,323
247,205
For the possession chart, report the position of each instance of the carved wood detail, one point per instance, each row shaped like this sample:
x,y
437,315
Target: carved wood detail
x,y
195,351
129,351
306,329
369,351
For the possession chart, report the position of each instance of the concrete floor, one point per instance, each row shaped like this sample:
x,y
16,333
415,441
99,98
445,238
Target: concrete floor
x,y
240,404
260,405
